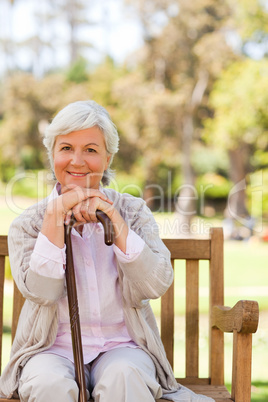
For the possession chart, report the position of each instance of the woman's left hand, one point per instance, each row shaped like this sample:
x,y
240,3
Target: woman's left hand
x,y
85,212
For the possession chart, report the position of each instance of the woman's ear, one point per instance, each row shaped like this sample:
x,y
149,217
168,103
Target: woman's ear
x,y
108,161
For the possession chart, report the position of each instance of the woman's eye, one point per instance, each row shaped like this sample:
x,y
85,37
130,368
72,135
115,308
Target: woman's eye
x,y
91,150
65,148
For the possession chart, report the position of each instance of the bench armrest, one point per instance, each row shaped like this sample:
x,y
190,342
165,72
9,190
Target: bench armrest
x,y
242,320
243,317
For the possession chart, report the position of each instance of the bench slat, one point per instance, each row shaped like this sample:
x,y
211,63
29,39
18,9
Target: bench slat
x,y
242,360
217,392
216,292
192,318
194,249
3,246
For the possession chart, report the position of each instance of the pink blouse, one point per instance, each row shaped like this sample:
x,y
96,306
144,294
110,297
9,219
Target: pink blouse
x,y
99,297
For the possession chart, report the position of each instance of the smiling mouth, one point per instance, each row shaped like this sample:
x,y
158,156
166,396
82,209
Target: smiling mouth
x,y
78,174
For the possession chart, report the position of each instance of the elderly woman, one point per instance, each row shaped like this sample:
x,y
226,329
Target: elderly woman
x,y
123,355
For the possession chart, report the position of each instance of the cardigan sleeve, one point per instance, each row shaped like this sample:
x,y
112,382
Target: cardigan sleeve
x,y
151,273
22,238
47,259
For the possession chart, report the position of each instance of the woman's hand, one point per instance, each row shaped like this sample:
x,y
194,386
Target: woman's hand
x,y
85,212
60,209
83,203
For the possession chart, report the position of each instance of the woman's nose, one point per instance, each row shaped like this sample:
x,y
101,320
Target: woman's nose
x,y
77,159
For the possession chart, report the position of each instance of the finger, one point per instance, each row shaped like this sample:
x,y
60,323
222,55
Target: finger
x,y
85,212
105,207
77,214
68,217
108,200
78,194
91,206
73,195
79,218
96,193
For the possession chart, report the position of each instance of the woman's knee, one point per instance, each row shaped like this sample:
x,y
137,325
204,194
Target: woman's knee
x,y
125,376
112,366
44,382
45,387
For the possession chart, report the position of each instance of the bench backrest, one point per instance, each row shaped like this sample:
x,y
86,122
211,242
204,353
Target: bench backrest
x,y
192,250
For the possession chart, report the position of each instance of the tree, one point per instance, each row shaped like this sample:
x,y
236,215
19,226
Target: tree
x,y
27,105
240,103
146,116
182,61
57,29
251,24
73,12
6,42
240,122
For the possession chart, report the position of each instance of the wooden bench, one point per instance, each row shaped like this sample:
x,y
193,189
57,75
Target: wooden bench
x,y
241,320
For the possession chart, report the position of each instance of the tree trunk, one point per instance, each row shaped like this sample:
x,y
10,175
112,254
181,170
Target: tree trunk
x,y
186,203
238,170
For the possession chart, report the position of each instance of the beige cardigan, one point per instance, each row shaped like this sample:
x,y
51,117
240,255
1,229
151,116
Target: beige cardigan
x,y
148,277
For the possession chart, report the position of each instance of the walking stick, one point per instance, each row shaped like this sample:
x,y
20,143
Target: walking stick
x,y
73,301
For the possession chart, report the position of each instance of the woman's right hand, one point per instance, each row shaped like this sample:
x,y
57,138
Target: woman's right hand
x,y
60,209
73,200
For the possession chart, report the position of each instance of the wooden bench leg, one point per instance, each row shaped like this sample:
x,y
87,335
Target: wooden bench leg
x,y
242,358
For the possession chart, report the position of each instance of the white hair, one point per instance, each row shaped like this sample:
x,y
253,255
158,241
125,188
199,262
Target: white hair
x,y
81,115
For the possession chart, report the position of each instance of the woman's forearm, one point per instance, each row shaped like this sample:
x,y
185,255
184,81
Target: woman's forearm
x,y
53,223
120,231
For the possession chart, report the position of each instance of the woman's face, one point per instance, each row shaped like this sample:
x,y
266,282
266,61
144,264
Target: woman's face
x,y
80,158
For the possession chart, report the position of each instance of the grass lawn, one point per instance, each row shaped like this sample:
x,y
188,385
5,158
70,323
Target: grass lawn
x,y
10,209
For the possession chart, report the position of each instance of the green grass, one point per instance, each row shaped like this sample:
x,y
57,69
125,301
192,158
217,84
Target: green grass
x,y
259,391
245,273
10,209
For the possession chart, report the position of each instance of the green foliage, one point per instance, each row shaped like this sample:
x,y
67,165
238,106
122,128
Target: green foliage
x,y
251,19
102,80
28,105
240,104
165,99
25,187
7,170
213,185
240,125
257,193
260,159
78,72
161,100
209,159
125,183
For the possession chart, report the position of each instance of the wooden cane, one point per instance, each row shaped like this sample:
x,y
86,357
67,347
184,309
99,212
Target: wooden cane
x,y
73,301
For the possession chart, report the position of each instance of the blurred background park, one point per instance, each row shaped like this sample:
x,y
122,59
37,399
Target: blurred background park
x,y
186,83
